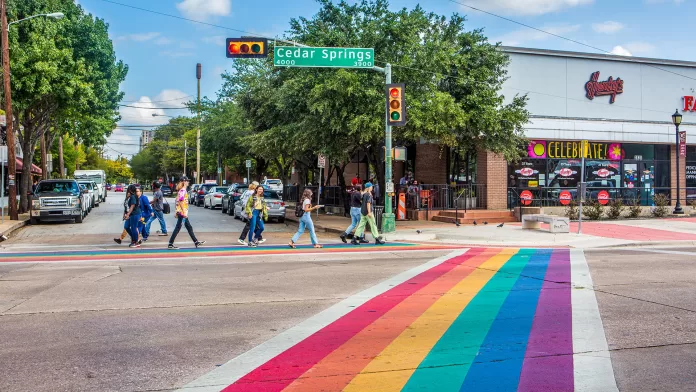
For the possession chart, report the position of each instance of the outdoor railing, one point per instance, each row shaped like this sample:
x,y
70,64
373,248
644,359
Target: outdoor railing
x,y
445,196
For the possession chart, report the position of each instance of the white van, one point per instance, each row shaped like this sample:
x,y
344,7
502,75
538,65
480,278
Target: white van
x,y
98,176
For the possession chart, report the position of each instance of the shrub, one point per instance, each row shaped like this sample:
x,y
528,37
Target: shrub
x,y
616,208
594,210
634,209
661,202
571,210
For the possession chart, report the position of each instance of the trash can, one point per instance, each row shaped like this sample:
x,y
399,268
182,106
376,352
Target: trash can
x,y
379,210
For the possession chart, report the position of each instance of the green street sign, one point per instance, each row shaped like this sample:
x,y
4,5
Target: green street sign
x,y
293,56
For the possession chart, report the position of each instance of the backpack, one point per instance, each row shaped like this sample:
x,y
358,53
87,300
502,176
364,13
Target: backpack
x,y
245,200
299,210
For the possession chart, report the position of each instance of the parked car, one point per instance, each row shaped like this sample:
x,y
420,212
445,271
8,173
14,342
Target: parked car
x,y
213,198
231,197
193,192
273,184
166,190
93,190
276,206
118,188
200,195
59,200
108,187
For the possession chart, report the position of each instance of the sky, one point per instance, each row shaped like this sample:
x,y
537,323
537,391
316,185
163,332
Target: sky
x,y
162,51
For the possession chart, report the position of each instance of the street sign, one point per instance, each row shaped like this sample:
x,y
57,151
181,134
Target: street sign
x,y
389,187
526,198
565,197
682,143
293,56
248,163
3,153
603,197
321,163
219,170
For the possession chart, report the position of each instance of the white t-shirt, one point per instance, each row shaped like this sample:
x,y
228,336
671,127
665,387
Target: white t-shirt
x,y
306,203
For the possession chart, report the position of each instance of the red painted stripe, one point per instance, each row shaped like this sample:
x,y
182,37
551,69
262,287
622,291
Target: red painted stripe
x,y
282,370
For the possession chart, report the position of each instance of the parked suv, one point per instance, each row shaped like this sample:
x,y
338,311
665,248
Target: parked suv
x,y
59,200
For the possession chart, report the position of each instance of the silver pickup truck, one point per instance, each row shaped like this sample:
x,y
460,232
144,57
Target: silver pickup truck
x,y
58,200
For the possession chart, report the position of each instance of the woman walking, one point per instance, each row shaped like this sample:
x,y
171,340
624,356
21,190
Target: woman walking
x,y
257,211
367,217
147,214
182,209
132,216
244,199
126,222
355,204
306,220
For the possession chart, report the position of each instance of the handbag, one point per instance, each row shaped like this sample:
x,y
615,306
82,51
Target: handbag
x,y
166,208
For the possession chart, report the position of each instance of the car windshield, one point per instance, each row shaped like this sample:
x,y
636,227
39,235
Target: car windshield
x,y
86,185
273,182
220,189
58,187
270,195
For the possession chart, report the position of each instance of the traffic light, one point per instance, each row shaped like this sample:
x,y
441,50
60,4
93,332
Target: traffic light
x,y
396,105
247,48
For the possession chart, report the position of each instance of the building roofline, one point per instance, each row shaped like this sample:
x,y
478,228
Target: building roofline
x,y
597,56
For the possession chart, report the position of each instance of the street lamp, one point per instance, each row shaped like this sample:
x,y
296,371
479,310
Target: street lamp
x,y
676,120
11,157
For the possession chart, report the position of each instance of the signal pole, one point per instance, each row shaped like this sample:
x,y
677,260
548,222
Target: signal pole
x,y
388,218
11,158
198,133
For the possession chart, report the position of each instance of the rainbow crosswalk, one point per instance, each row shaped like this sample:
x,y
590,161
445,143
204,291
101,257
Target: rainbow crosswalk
x,y
477,320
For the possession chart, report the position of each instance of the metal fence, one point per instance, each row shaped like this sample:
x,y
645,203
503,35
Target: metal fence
x,y
445,196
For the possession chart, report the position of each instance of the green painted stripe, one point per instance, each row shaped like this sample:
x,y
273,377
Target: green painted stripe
x,y
449,361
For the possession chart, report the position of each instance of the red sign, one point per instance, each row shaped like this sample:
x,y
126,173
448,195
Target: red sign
x,y
689,103
610,87
565,198
682,143
526,198
603,197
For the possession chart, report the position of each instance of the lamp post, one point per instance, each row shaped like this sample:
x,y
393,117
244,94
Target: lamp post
x,y
11,157
676,120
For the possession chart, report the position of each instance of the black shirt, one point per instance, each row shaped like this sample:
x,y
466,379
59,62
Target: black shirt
x,y
367,198
133,201
355,200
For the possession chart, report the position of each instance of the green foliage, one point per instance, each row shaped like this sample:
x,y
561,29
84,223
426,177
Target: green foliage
x,y
634,209
661,202
593,210
616,208
571,210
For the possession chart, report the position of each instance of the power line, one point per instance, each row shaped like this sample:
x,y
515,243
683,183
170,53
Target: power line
x,y
167,100
145,107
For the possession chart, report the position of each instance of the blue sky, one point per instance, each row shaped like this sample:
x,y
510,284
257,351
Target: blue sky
x,y
162,52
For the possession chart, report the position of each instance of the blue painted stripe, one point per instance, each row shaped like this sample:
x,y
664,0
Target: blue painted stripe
x,y
498,364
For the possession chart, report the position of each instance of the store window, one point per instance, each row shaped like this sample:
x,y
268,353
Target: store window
x,y
690,174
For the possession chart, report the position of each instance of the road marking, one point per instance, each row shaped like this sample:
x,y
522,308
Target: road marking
x,y
245,363
668,252
593,369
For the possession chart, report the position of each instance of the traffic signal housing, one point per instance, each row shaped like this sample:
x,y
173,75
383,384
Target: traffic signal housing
x,y
247,48
396,105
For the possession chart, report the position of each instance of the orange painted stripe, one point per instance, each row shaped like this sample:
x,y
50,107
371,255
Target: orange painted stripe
x,y
337,369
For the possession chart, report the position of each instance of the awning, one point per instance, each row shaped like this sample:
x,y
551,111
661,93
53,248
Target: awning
x,y
34,169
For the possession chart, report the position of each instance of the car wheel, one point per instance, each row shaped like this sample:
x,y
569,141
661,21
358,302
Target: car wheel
x,y
79,219
223,209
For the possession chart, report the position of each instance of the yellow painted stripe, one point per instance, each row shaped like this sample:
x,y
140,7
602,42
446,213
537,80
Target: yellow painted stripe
x,y
392,368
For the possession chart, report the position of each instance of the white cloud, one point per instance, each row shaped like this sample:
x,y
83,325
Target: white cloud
x,y
218,40
204,9
518,37
621,51
608,27
525,7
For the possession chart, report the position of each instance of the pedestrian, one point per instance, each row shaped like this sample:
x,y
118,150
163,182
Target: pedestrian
x,y
126,224
375,190
257,210
356,180
146,216
33,187
306,220
132,216
367,216
158,210
244,199
355,204
182,218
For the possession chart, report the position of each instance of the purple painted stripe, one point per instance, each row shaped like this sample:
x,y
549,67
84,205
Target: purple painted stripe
x,y
548,363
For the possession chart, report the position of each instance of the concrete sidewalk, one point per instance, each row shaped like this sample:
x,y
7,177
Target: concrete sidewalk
x,y
9,226
595,234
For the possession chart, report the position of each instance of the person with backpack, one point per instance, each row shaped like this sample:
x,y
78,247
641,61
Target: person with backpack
x,y
367,216
355,205
182,210
304,212
257,209
132,215
158,209
244,199
146,216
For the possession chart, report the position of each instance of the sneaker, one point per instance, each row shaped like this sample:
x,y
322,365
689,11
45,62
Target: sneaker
x,y
241,242
256,242
364,241
252,244
144,240
343,238
172,246
379,241
162,234
117,240
261,241
140,242
354,241
134,245
199,243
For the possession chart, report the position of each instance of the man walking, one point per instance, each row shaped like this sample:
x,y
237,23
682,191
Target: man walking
x,y
367,216
158,208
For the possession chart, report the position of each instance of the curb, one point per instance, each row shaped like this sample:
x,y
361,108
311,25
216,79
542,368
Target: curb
x,y
16,225
317,226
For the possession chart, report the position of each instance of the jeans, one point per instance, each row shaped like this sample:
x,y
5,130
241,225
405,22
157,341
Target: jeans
x,y
257,224
185,221
355,219
245,231
364,220
306,222
145,227
132,228
159,215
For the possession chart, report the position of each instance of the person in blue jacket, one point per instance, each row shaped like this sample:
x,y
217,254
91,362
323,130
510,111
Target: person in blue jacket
x,y
146,214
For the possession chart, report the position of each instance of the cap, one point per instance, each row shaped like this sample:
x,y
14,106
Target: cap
x,y
184,178
368,185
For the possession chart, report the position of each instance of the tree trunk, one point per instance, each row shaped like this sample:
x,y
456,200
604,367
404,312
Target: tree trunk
x,y
44,166
344,189
60,156
25,185
77,154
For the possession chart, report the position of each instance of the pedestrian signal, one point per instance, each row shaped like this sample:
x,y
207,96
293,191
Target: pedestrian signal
x,y
247,48
396,105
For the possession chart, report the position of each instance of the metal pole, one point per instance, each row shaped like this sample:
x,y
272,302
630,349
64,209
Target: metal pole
x,y
185,155
11,159
198,132
319,193
248,175
677,208
2,191
389,220
582,189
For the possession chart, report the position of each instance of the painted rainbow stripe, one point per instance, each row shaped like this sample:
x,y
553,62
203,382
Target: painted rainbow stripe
x,y
485,320
206,252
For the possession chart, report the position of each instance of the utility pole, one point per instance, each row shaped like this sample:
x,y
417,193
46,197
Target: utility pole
x,y
219,170
198,133
11,157
185,154
388,218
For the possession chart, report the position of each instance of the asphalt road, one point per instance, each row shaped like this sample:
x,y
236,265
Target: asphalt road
x,y
158,324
